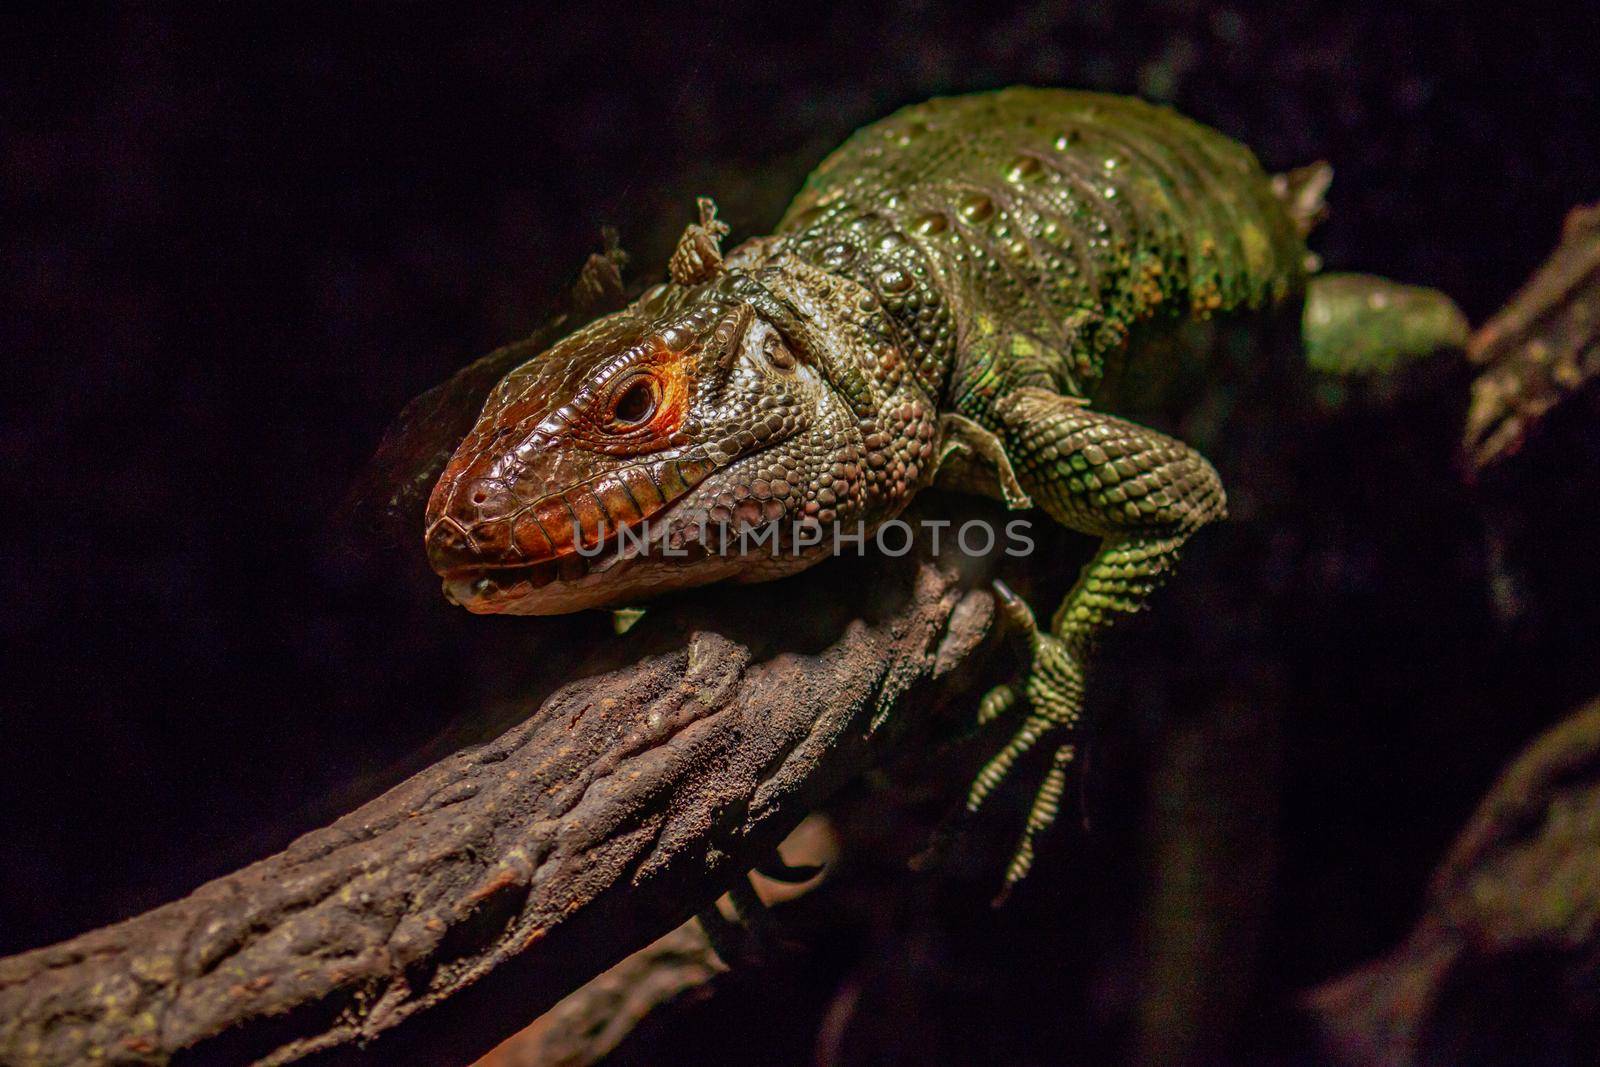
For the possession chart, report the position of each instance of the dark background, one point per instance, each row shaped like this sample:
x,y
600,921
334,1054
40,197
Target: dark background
x,y
236,240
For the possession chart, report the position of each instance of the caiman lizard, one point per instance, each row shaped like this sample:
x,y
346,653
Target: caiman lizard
x,y
945,302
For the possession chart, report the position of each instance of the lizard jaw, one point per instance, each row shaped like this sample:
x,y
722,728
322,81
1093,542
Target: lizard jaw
x,y
557,586
678,550
544,589
555,550
598,568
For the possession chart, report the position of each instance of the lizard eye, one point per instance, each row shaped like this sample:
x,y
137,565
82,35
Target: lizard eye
x,y
635,403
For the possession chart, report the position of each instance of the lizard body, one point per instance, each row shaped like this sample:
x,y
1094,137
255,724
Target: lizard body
x,y
1058,219
962,292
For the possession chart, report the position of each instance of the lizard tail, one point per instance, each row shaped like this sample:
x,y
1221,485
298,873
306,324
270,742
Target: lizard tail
x,y
1360,325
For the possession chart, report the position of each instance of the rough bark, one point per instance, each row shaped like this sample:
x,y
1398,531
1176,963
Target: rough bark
x,y
477,893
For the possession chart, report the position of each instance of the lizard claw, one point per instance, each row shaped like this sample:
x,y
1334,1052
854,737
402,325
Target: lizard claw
x,y
1015,614
1053,690
1014,609
995,703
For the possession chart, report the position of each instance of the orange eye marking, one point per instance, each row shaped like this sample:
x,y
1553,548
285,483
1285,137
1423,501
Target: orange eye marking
x,y
674,398
652,400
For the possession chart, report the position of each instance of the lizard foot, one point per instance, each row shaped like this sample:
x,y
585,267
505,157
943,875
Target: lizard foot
x,y
1053,692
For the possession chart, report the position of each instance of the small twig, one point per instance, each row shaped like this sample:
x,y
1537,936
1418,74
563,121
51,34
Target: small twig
x,y
1541,347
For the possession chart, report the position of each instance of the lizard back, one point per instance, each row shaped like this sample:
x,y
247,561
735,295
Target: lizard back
x,y
1056,220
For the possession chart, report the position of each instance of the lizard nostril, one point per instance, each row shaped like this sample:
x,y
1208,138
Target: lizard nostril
x,y
490,500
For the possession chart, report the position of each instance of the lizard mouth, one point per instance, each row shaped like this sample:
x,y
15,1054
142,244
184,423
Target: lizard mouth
x,y
481,588
560,549
559,585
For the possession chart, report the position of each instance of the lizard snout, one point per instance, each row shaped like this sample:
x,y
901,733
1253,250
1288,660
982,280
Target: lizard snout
x,y
469,517
476,521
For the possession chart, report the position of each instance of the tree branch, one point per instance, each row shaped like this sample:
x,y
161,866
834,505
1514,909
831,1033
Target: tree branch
x,y
592,1020
1508,951
477,893
673,971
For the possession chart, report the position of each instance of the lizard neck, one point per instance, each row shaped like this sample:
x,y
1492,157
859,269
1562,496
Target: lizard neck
x,y
891,279
853,332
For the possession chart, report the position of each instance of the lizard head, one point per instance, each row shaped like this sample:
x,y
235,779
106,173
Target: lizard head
x,y
598,469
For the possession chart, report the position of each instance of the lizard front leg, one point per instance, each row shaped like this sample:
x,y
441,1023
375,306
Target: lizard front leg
x,y
1143,494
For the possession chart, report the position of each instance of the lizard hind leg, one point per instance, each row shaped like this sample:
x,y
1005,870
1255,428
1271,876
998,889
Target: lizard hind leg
x,y
1143,493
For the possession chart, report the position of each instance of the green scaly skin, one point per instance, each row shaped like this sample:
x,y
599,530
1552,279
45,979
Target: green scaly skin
x,y
950,298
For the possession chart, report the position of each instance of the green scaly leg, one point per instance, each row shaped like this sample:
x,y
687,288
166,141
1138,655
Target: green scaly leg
x,y
1143,493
